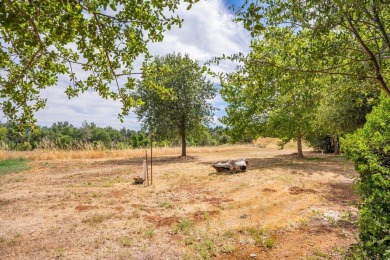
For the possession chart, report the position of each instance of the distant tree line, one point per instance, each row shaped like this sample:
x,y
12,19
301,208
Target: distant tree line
x,y
65,136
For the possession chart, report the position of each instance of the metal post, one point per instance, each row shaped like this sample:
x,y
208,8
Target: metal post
x,y
147,172
151,158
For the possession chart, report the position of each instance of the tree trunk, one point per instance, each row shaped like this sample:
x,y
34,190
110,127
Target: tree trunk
x,y
336,145
183,144
299,145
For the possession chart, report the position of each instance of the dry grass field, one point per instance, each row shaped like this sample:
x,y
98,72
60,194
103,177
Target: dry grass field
x,y
83,205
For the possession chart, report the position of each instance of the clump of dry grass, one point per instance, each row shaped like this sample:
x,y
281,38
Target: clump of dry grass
x,y
52,154
97,219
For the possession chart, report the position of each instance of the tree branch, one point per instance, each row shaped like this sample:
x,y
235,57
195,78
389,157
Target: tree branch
x,y
106,52
128,74
381,27
371,56
32,23
325,71
102,14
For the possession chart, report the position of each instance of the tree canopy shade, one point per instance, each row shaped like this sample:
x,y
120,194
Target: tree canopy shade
x,y
272,101
289,104
41,40
176,98
341,109
351,37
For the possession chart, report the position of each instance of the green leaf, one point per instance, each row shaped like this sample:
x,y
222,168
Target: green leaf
x,y
113,6
259,27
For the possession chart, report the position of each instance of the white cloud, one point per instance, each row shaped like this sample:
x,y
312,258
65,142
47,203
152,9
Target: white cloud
x,y
207,32
88,106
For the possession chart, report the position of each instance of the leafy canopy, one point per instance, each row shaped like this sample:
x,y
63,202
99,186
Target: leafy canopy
x,y
176,97
347,38
270,100
92,42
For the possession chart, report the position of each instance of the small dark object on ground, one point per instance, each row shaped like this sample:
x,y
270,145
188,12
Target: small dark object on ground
x,y
138,180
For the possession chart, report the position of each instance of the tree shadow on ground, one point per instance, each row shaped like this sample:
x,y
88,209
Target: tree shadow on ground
x,y
342,193
160,160
312,163
337,192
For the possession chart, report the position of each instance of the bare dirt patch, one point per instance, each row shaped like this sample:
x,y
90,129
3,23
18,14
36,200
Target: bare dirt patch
x,y
162,221
88,208
296,190
268,190
84,207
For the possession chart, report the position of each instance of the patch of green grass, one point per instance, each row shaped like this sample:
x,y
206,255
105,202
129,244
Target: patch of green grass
x,y
228,248
261,238
303,221
184,226
61,252
149,233
189,256
205,249
166,204
13,166
257,234
269,242
318,255
206,216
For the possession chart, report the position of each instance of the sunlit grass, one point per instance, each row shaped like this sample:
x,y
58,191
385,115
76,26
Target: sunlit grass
x,y
13,166
47,154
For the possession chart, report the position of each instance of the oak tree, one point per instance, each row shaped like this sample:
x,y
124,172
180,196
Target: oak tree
x,y
267,100
176,98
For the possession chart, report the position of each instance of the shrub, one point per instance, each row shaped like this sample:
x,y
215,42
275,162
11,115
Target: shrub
x,y
320,142
369,148
25,146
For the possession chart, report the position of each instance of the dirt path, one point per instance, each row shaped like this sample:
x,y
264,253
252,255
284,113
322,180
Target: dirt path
x,y
89,209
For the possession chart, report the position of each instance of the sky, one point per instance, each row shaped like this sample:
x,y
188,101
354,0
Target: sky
x,y
208,31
